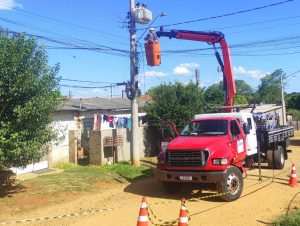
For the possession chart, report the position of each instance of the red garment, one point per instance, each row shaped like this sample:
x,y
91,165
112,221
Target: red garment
x,y
110,118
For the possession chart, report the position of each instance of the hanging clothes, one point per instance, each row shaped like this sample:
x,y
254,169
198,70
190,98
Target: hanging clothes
x,y
129,123
105,118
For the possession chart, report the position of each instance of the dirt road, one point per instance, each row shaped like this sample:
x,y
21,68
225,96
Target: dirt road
x,y
119,204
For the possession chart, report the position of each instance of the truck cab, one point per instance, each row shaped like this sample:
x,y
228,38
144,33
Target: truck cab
x,y
210,149
247,122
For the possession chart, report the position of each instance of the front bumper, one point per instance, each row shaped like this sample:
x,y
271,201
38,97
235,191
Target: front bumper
x,y
189,177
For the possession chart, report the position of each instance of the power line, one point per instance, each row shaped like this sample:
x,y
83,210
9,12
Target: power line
x,y
103,49
74,80
88,87
61,21
119,52
258,22
96,49
14,22
287,41
225,15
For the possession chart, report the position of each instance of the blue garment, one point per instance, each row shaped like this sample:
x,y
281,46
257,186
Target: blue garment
x,y
129,123
105,118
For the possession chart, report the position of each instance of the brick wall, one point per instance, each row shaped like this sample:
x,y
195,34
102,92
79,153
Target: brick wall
x,y
74,136
100,154
95,147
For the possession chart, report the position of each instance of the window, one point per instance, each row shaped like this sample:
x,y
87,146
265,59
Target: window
x,y
205,128
234,128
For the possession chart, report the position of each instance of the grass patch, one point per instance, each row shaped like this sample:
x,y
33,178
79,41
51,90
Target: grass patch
x,y
72,182
129,172
291,219
77,178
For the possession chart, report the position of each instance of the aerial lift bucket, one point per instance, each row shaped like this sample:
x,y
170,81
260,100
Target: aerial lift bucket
x,y
153,54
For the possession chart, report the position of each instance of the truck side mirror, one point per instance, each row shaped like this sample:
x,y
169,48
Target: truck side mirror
x,y
246,128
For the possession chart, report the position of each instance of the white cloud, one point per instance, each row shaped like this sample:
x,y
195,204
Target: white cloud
x,y
190,65
184,69
179,70
251,73
9,4
98,91
154,74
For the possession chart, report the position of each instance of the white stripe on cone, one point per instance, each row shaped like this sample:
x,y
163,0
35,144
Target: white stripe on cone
x,y
183,207
144,205
143,218
293,175
183,219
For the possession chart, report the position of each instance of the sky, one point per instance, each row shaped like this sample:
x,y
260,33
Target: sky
x,y
90,41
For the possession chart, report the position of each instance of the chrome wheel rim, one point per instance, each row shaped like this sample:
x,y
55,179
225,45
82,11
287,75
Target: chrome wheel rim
x,y
233,184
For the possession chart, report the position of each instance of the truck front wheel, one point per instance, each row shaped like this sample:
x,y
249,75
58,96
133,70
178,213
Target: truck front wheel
x,y
231,184
171,187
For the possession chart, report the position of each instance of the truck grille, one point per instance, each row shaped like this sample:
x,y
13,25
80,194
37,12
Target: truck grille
x,y
195,158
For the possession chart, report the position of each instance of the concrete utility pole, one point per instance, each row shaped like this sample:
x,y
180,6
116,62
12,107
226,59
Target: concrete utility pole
x,y
111,91
134,146
282,102
197,77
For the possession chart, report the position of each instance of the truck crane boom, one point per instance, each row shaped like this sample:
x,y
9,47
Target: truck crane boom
x,y
211,38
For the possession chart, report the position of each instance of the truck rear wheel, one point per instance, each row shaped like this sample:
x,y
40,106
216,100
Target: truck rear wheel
x,y
171,187
276,158
231,184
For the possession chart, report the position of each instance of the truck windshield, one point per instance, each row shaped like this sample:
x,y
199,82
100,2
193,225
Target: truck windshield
x,y
205,128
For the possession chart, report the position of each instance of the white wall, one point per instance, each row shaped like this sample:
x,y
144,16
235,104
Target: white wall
x,y
63,122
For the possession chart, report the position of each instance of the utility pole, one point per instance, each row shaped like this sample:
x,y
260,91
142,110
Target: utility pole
x,y
111,91
197,76
134,146
282,101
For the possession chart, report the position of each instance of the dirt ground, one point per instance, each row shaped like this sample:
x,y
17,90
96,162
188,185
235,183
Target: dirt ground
x,y
118,204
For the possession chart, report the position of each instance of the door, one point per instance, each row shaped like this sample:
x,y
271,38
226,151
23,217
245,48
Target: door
x,y
237,141
251,139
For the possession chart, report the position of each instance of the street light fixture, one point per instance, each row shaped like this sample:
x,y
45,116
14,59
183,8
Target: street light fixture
x,y
282,96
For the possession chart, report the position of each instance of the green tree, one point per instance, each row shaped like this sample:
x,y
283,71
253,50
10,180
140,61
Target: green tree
x,y
214,94
244,90
269,90
176,102
28,96
240,99
293,101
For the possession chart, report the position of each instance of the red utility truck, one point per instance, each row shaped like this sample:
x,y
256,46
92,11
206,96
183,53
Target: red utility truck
x,y
213,148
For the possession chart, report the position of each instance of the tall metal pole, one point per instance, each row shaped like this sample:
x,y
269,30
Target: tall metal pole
x,y
282,102
111,91
134,146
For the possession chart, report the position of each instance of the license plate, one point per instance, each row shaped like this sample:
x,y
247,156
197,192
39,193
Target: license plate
x,y
186,178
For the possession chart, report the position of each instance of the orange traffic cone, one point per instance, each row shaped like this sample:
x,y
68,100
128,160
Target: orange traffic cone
x,y
183,218
143,215
293,177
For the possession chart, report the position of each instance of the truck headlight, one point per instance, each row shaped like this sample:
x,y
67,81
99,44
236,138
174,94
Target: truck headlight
x,y
216,161
220,161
